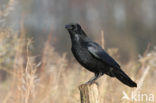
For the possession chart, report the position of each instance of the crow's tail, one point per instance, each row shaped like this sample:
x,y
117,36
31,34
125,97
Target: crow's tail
x,y
124,78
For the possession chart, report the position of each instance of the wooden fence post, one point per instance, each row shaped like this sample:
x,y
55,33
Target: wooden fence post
x,y
89,93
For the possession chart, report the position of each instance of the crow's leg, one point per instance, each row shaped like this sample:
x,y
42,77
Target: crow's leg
x,y
97,75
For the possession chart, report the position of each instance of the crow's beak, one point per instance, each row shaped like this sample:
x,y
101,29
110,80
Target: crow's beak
x,y
68,27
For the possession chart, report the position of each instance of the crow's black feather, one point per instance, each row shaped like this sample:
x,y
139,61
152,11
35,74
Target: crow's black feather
x,y
99,53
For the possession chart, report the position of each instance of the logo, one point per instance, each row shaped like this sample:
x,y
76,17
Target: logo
x,y
138,97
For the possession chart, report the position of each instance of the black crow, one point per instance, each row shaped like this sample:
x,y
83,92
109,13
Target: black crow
x,y
91,56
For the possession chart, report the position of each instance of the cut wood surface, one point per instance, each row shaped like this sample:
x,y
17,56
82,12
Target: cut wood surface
x,y
89,93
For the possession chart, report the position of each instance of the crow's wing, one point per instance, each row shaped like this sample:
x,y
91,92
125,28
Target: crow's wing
x,y
100,54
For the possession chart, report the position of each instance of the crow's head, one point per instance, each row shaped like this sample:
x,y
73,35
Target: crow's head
x,y
75,30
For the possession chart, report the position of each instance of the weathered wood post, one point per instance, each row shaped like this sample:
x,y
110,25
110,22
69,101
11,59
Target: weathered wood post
x,y
89,93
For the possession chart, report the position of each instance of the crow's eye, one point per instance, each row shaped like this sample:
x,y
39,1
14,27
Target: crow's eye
x,y
73,27
78,27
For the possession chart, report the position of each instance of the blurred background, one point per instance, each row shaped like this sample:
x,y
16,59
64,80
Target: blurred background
x,y
127,25
35,29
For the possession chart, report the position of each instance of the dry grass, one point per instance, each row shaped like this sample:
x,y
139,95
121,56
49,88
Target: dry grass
x,y
9,7
56,80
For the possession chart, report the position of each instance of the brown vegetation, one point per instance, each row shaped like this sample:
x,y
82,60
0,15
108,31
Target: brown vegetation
x,y
56,80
